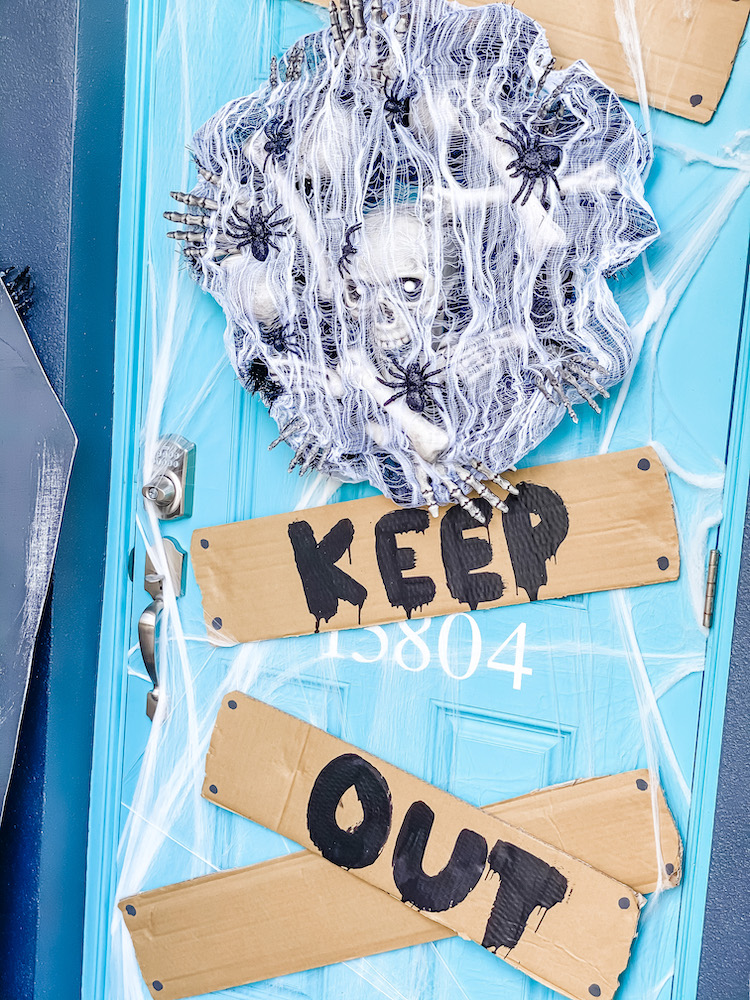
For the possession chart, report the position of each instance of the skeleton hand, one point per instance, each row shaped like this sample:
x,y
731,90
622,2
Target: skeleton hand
x,y
572,370
348,23
310,453
456,480
195,237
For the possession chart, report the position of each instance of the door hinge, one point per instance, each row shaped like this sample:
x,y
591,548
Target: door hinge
x,y
713,569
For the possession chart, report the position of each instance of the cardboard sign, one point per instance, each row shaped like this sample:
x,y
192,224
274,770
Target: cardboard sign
x,y
564,923
688,52
576,527
255,923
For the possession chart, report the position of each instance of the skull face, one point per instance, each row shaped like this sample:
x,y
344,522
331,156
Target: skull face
x,y
390,287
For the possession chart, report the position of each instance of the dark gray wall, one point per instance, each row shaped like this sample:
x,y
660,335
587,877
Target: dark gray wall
x,y
61,92
37,53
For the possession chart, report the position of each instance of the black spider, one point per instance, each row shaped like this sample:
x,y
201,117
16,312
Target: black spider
x,y
348,250
256,230
414,383
396,108
256,378
536,160
280,338
279,139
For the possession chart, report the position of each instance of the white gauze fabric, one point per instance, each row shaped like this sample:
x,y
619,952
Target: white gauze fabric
x,y
409,229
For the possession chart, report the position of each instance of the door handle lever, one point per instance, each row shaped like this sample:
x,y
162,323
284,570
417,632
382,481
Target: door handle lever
x,y
148,623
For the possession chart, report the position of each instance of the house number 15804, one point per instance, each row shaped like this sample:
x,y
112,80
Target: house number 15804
x,y
413,654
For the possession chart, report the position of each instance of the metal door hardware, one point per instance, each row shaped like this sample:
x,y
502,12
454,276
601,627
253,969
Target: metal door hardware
x,y
713,571
171,485
148,623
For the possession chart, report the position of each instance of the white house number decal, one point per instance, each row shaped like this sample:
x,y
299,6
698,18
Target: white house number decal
x,y
458,667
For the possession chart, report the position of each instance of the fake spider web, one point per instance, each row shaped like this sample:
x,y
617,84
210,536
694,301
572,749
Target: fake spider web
x,y
409,230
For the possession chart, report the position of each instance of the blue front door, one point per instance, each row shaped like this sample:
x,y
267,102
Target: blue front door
x,y
488,705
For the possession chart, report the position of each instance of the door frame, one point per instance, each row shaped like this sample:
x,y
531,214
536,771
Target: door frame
x,y
106,775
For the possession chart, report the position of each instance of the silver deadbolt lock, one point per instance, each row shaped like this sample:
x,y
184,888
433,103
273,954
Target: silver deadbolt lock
x,y
170,488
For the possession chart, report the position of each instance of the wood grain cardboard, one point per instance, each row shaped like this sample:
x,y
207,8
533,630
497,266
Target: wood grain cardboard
x,y
300,912
620,532
275,769
688,46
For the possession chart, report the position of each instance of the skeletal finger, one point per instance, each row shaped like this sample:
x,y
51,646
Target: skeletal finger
x,y
586,373
457,496
482,490
192,199
310,460
186,219
558,390
488,495
208,176
585,395
402,27
432,506
336,33
273,75
323,456
542,388
358,16
345,16
427,492
286,431
495,478
308,444
188,237
293,64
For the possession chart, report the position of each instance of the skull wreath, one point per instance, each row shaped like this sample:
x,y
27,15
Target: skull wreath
x,y
409,229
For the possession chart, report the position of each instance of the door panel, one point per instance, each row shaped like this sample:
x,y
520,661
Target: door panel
x,y
488,705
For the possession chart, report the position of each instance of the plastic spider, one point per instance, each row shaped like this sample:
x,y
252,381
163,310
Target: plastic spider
x,y
256,230
536,160
279,138
396,108
348,250
256,378
414,383
279,338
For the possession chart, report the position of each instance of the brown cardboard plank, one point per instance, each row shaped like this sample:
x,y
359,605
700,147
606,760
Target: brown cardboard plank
x,y
299,912
287,775
621,533
688,47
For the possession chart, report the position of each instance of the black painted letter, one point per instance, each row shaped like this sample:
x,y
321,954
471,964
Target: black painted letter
x,y
434,893
359,847
525,883
530,546
324,583
406,592
462,555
